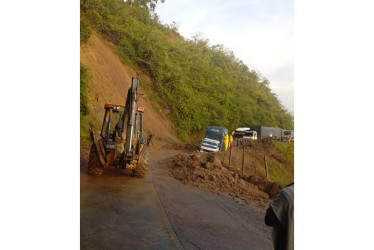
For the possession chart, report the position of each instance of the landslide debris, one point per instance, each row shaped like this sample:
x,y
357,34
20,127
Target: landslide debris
x,y
206,171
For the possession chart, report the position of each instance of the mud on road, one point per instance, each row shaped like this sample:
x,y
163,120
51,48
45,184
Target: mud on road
x,y
160,212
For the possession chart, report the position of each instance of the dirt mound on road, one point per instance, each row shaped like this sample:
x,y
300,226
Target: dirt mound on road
x,y
269,187
205,170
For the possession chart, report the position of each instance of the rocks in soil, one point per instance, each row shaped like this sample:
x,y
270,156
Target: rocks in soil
x,y
205,170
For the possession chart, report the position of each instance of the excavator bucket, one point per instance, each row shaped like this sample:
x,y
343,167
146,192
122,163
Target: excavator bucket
x,y
98,160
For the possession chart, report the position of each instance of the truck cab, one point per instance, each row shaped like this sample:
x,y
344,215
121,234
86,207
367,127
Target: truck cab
x,y
209,145
245,134
213,139
250,135
286,136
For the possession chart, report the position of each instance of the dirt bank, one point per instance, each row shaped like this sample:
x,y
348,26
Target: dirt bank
x,y
207,171
110,80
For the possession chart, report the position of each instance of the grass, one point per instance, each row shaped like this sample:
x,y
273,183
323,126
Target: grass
x,y
87,121
287,151
282,171
84,80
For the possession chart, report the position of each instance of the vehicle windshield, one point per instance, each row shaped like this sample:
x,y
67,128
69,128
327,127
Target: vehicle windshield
x,y
210,143
115,118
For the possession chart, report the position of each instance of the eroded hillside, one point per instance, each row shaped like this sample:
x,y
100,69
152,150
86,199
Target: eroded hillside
x,y
109,82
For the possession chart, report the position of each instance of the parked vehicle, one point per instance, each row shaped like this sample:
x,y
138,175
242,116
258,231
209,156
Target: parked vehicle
x,y
265,132
286,135
245,134
213,139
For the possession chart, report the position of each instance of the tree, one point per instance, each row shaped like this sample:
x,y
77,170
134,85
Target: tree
x,y
151,4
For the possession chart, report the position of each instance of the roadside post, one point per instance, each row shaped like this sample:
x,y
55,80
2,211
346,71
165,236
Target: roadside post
x,y
243,160
266,168
230,156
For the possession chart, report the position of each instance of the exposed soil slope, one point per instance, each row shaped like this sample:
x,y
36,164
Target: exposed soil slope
x,y
110,80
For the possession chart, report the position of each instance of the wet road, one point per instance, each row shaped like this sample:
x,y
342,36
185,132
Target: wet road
x,y
158,212
205,220
122,212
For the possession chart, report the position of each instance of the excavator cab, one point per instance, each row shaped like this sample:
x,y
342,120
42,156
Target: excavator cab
x,y
112,125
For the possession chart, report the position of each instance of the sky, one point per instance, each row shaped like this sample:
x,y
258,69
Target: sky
x,y
259,32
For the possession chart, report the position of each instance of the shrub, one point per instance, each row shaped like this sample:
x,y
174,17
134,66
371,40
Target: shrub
x,y
85,31
84,79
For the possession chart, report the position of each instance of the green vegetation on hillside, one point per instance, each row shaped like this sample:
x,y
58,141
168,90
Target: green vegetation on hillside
x,y
203,85
86,117
84,79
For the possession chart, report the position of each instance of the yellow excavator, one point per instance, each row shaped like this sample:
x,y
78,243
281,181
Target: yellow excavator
x,y
120,142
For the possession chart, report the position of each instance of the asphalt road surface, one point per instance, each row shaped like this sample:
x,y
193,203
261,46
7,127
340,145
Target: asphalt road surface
x,y
158,212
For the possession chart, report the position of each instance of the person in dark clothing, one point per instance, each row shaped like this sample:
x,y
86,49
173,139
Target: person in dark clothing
x,y
279,215
119,127
271,220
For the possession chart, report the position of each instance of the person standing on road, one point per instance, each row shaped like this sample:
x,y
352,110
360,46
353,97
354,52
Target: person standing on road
x,y
231,140
279,215
226,140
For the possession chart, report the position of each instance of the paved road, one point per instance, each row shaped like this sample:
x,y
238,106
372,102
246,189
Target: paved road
x,y
122,212
205,220
158,212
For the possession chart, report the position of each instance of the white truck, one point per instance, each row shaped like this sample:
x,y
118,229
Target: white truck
x,y
241,134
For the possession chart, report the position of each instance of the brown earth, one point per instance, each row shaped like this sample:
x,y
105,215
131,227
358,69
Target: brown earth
x,y
110,80
208,171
